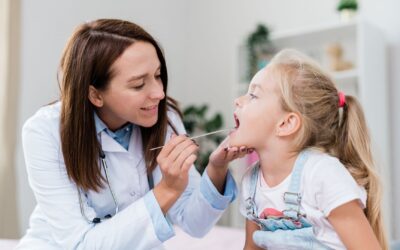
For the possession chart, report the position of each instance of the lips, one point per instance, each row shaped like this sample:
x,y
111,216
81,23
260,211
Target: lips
x,y
148,108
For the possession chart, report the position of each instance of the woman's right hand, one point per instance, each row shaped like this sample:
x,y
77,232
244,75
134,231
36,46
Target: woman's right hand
x,y
175,160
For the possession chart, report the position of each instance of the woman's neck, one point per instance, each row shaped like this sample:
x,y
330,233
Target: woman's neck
x,y
276,165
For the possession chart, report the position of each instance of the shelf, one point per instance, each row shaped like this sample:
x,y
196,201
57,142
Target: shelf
x,y
345,75
332,29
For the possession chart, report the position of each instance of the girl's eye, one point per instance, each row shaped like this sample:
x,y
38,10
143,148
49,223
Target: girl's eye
x,y
158,76
252,96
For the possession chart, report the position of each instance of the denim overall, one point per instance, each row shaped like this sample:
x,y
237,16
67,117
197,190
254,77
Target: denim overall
x,y
290,231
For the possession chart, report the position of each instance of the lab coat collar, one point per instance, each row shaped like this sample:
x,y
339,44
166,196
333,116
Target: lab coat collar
x,y
108,144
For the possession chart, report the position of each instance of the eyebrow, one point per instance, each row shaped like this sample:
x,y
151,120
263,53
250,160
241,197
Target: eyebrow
x,y
255,85
133,78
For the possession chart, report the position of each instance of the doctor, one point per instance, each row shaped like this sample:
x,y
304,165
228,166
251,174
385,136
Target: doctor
x,y
96,182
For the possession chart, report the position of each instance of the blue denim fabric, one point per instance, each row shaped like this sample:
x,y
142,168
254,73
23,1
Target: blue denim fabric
x,y
298,239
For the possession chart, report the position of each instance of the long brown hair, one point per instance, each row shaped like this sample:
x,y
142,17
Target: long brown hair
x,y
309,91
87,60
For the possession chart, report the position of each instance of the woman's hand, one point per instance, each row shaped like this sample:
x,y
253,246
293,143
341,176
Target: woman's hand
x,y
175,160
225,154
217,167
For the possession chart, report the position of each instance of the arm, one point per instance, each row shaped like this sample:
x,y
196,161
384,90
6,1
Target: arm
x,y
217,167
251,227
199,209
353,227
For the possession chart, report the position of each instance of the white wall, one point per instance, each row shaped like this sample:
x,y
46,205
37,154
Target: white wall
x,y
201,40
215,34
384,14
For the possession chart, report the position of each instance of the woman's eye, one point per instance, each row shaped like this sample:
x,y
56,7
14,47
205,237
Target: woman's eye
x,y
158,76
139,87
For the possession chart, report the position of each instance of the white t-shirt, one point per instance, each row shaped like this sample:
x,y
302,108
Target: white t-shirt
x,y
325,185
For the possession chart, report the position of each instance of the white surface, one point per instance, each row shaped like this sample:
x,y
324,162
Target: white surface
x,y
218,238
384,14
8,244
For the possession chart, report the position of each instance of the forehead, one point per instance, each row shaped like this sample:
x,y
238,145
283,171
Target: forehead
x,y
264,80
137,57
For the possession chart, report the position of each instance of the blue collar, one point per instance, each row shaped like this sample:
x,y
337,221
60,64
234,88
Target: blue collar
x,y
122,135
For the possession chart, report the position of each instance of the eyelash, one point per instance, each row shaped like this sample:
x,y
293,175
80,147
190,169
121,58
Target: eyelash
x,y
139,87
142,85
252,96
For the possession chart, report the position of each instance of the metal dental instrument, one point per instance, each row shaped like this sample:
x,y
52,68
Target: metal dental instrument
x,y
197,136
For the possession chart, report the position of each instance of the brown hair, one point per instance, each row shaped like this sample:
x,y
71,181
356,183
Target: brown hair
x,y
87,60
307,90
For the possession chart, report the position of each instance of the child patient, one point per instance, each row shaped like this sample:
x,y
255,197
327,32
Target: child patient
x,y
314,186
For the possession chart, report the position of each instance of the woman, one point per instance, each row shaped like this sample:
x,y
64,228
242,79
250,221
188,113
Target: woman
x,y
89,157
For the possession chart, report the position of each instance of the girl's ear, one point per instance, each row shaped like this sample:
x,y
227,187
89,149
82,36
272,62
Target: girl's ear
x,y
95,97
289,125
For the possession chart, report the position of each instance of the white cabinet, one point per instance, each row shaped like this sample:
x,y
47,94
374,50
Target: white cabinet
x,y
364,47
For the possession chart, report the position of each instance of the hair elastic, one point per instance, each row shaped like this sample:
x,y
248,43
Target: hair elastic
x,y
342,99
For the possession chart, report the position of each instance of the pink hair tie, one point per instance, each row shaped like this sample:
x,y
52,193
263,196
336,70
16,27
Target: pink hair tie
x,y
342,99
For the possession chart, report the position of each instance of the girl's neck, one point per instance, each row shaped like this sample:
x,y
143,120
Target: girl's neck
x,y
276,165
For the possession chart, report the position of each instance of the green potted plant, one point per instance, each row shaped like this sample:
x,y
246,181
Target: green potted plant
x,y
347,9
260,49
197,122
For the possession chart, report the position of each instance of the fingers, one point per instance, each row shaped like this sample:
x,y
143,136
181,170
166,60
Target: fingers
x,y
177,154
232,153
188,163
185,158
182,147
171,144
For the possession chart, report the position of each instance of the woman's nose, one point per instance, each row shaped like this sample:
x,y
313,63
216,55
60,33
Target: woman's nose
x,y
157,92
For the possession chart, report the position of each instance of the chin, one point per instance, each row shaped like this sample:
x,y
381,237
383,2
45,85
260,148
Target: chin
x,y
235,140
148,123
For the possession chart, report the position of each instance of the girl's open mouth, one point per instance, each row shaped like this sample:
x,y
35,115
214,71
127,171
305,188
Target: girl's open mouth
x,y
237,122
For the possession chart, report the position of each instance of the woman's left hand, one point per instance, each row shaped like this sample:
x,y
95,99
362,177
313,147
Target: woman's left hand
x,y
224,154
217,167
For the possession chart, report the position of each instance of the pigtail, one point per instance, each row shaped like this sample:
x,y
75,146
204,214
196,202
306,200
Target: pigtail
x,y
353,148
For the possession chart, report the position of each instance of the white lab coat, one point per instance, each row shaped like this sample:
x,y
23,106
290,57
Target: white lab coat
x,y
57,223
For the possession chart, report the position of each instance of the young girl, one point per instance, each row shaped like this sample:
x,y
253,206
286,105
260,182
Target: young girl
x,y
314,186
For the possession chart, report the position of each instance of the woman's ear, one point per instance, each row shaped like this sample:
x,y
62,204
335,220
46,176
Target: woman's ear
x,y
95,97
289,125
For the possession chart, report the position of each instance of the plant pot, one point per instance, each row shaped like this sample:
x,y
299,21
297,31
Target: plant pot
x,y
347,15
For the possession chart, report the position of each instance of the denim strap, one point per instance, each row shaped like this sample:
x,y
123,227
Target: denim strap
x,y
292,197
251,207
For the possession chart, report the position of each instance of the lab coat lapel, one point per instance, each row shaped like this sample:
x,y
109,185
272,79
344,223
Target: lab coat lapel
x,y
135,143
109,144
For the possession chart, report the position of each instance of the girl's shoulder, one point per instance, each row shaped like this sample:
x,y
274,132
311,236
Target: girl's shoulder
x,y
329,183
321,163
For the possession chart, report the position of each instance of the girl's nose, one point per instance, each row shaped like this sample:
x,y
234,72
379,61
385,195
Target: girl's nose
x,y
238,101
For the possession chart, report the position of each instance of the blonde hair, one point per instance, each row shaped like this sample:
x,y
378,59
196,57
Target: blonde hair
x,y
307,90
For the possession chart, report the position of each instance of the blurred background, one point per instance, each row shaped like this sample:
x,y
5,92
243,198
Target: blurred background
x,y
212,48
